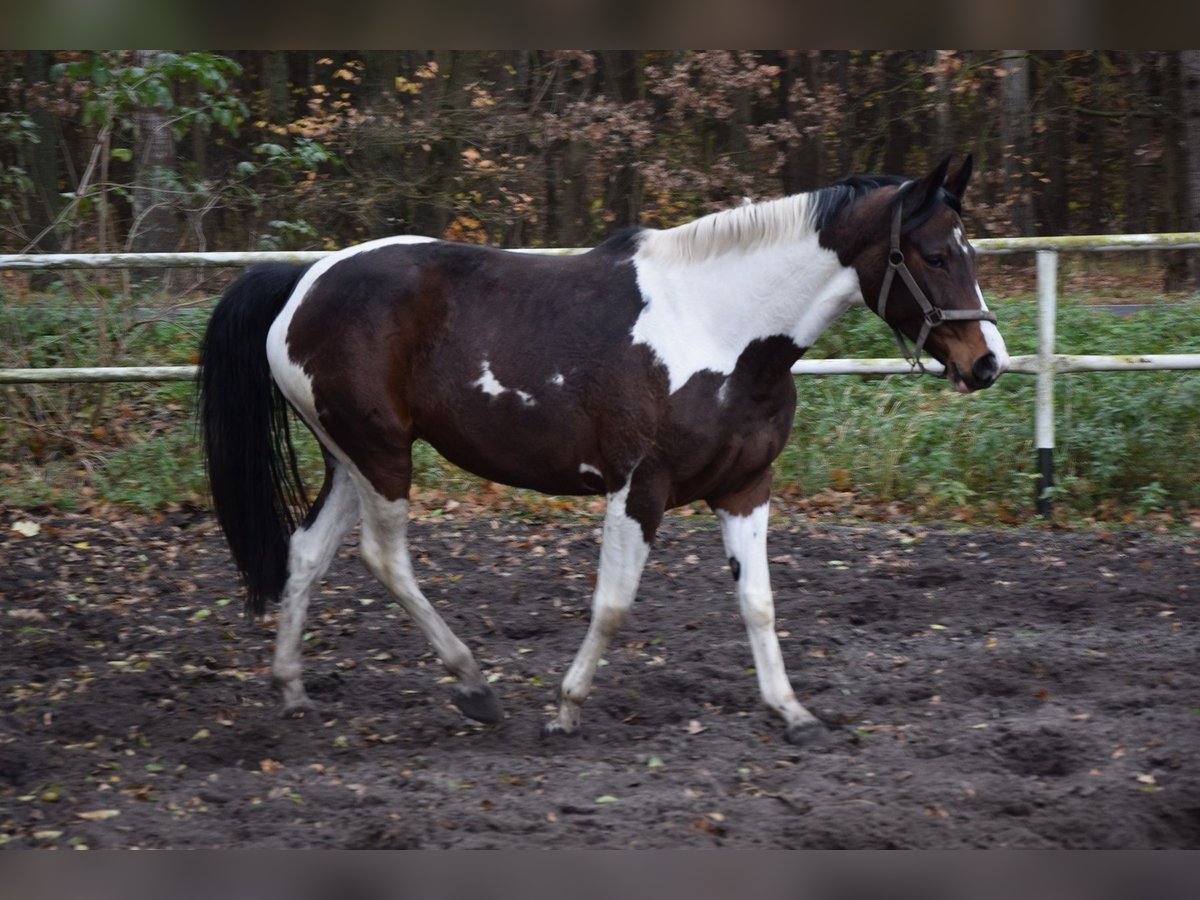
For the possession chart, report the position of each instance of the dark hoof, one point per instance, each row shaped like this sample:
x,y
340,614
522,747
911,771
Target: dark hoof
x,y
808,735
479,704
552,731
298,710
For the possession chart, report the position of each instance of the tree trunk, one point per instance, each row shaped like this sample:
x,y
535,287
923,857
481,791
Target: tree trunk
x,y
1098,214
568,217
623,80
1189,80
273,70
1173,215
899,109
1015,136
942,140
846,142
1052,198
43,166
1137,147
154,226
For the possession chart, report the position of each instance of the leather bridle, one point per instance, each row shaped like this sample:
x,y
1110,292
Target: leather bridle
x,y
933,315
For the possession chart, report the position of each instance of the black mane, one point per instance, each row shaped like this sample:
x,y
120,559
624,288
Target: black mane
x,y
834,200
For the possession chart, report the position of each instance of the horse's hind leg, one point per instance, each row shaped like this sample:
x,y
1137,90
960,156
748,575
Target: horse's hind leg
x,y
310,552
385,552
745,538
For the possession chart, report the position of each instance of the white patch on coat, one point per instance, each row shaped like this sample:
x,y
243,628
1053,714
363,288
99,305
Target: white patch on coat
x,y
715,285
490,384
557,379
585,469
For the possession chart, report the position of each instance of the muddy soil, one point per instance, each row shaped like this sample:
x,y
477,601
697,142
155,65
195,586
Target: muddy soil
x,y
1021,688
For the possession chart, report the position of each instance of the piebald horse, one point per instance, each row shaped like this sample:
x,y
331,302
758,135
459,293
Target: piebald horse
x,y
653,369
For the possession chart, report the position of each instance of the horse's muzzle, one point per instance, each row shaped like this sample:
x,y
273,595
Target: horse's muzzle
x,y
983,374
986,370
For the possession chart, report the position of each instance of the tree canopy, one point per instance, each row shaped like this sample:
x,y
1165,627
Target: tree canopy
x,y
310,149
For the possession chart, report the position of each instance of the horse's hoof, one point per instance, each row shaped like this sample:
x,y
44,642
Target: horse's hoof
x,y
298,710
479,704
807,734
552,730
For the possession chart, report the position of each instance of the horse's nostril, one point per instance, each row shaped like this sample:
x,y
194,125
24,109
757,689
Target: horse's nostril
x,y
986,369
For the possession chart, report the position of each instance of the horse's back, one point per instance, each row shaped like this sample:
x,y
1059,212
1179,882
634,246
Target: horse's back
x,y
509,363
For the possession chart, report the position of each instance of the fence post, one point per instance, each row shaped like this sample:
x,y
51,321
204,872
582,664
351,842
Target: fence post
x,y
1047,283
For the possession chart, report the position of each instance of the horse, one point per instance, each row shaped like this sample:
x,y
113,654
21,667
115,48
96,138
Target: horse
x,y
654,369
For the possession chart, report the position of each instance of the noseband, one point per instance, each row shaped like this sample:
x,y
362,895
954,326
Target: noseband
x,y
934,316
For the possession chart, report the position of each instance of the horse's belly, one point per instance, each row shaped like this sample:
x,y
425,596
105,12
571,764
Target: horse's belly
x,y
521,449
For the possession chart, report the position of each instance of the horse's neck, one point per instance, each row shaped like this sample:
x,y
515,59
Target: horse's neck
x,y
707,311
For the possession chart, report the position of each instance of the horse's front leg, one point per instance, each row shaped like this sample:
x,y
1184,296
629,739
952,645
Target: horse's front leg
x,y
745,536
623,552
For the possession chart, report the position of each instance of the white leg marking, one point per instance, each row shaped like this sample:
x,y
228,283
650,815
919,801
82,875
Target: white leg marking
x,y
623,552
745,540
385,553
310,552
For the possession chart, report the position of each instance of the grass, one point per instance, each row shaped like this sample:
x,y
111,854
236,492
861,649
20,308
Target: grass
x,y
1128,443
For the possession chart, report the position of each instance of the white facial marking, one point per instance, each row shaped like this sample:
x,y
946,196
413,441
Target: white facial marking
x,y
489,384
961,238
992,336
702,313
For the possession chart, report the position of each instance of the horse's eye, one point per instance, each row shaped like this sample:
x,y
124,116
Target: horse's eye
x,y
935,262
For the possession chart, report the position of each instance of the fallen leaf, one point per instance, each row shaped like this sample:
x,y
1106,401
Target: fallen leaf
x,y
606,798
99,815
28,615
26,528
694,727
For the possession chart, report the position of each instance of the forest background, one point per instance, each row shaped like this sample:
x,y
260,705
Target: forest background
x,y
294,150
159,151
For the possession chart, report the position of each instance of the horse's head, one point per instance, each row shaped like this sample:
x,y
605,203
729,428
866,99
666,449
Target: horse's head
x,y
917,272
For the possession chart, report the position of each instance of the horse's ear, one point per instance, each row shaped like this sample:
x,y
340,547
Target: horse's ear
x,y
956,182
924,193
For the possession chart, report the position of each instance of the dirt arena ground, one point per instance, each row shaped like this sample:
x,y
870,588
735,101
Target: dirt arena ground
x,y
1019,688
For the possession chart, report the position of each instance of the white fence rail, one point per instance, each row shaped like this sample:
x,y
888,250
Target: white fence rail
x,y
1045,365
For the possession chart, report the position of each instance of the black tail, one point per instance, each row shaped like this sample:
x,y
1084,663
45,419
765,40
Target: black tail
x,y
252,471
